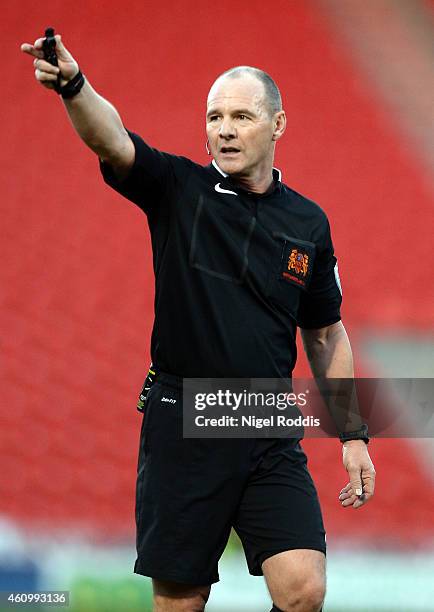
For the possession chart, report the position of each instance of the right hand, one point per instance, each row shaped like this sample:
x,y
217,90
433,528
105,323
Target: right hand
x,y
46,73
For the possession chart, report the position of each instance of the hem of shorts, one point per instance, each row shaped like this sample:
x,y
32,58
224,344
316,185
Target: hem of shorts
x,y
143,569
257,570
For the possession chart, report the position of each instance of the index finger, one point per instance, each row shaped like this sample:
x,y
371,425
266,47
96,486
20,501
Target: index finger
x,y
31,50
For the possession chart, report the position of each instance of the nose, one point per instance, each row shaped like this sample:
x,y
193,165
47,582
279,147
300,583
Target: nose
x,y
227,129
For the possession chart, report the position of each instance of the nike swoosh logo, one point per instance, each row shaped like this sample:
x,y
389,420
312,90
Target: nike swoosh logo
x,y
221,190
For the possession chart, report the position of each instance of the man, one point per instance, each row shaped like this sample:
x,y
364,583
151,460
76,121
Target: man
x,y
240,259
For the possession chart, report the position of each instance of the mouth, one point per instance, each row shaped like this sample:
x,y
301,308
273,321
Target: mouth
x,y
229,150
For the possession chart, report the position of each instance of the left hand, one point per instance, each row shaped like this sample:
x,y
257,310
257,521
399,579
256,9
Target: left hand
x,y
361,471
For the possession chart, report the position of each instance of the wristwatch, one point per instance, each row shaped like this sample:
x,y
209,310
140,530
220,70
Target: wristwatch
x,y
72,87
358,434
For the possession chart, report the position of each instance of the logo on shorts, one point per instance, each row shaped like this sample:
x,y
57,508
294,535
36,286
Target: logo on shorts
x,y
297,267
168,399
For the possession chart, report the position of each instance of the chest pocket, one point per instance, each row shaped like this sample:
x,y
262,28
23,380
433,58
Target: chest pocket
x,y
220,240
290,271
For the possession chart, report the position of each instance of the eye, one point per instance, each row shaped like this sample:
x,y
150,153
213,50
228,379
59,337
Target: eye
x,y
242,117
213,118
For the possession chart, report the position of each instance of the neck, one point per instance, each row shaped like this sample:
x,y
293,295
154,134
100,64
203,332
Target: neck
x,y
257,179
254,185
259,182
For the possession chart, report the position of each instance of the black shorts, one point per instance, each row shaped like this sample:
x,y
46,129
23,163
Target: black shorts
x,y
190,492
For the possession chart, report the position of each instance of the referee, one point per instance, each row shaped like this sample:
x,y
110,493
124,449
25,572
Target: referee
x,y
240,261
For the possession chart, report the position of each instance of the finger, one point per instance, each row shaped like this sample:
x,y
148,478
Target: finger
x,y
349,501
368,492
346,492
39,43
365,497
61,51
355,480
45,66
369,482
30,50
26,48
361,501
357,501
45,77
349,497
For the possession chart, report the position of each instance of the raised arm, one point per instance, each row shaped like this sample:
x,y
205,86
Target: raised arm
x,y
95,120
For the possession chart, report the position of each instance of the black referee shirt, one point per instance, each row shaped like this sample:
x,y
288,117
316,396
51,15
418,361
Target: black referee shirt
x,y
235,272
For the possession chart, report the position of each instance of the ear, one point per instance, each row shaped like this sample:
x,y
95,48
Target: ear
x,y
279,124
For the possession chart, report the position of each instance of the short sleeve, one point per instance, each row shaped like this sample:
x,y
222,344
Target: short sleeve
x,y
320,304
149,178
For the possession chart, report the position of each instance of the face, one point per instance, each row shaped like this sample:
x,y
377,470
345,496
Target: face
x,y
241,130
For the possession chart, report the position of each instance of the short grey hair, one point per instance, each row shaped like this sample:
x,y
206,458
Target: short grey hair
x,y
272,93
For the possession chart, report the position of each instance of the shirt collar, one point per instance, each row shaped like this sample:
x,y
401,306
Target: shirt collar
x,y
277,175
216,166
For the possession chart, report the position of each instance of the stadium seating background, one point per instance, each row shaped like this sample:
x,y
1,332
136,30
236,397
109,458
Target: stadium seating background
x,y
76,268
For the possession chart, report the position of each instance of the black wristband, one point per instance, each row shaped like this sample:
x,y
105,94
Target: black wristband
x,y
359,434
72,87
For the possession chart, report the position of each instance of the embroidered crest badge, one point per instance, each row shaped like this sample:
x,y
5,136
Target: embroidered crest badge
x,y
297,267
